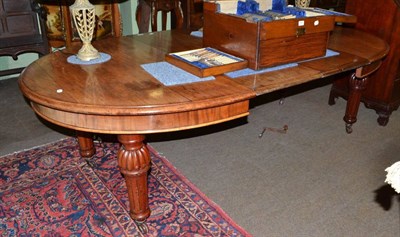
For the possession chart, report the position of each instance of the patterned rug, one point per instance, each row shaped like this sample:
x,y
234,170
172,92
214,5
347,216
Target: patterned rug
x,y
51,191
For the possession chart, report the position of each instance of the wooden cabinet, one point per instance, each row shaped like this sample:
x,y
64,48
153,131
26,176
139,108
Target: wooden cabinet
x,y
21,30
266,43
381,18
194,10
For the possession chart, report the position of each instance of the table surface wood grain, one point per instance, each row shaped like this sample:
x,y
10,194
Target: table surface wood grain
x,y
120,86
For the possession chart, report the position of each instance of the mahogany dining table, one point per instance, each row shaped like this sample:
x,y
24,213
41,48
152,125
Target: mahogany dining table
x,y
119,97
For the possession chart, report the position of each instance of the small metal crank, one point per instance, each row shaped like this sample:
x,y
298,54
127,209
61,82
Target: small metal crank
x,y
278,130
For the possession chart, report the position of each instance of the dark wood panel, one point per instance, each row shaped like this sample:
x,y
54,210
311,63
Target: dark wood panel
x,y
20,31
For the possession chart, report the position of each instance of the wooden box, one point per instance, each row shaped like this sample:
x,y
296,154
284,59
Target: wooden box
x,y
265,44
206,62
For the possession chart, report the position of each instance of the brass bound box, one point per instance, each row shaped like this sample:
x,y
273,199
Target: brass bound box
x,y
267,43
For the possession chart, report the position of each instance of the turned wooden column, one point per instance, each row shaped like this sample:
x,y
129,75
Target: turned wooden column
x,y
356,85
134,163
86,146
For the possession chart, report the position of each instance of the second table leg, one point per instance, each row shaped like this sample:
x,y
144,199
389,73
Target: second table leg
x,y
86,146
134,163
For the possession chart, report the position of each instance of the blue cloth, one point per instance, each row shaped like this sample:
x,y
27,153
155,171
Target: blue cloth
x,y
75,60
248,71
197,34
249,6
170,75
278,5
298,12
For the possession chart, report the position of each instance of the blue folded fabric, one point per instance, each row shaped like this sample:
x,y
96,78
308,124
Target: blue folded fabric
x,y
279,5
170,75
248,71
197,33
330,53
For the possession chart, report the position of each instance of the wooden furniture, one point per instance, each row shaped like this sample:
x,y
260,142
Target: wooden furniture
x,y
21,24
268,43
382,92
121,98
166,6
60,27
147,11
205,62
193,10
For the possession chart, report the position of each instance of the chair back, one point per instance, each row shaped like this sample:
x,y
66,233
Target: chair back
x,y
148,10
165,6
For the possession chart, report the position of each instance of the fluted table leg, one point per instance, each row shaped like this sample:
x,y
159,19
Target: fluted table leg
x,y
134,163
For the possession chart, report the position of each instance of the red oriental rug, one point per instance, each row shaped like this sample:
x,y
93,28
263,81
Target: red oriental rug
x,y
51,191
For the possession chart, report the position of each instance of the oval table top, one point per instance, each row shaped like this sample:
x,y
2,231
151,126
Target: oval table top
x,y
120,97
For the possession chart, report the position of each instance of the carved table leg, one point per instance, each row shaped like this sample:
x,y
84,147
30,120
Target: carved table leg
x,y
134,163
356,85
86,146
